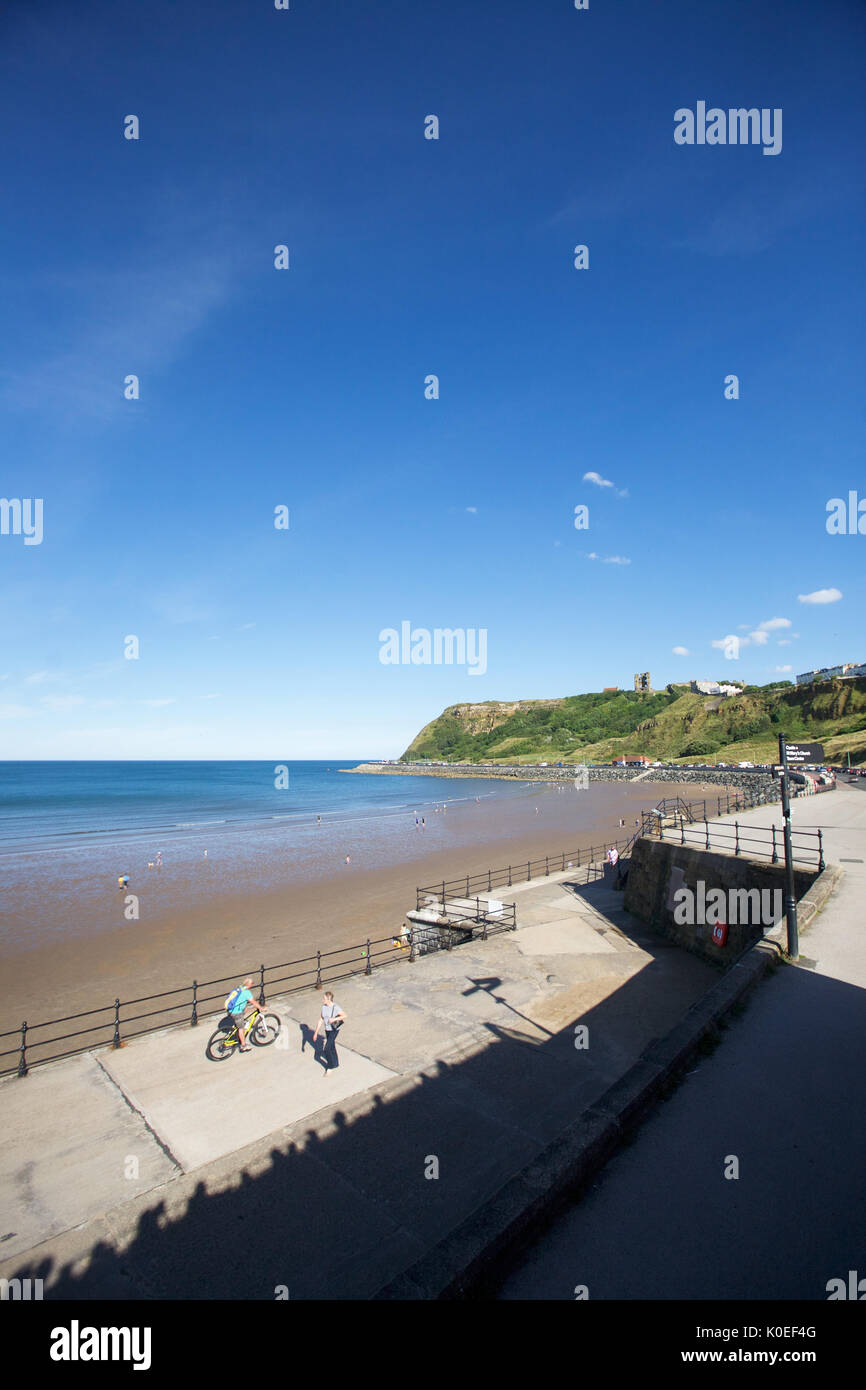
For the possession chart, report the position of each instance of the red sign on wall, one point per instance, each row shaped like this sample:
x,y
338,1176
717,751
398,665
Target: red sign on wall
x,y
720,934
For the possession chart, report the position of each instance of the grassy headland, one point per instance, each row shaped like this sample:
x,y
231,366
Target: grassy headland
x,y
673,726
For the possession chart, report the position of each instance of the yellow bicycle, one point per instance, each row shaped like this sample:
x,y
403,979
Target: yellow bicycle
x,y
261,1029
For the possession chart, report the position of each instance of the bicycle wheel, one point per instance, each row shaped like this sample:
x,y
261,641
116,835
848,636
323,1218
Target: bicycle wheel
x,y
222,1045
266,1030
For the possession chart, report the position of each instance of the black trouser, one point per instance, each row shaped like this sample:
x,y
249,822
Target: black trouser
x,y
330,1049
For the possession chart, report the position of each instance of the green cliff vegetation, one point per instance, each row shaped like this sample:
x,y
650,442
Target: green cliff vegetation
x,y
673,726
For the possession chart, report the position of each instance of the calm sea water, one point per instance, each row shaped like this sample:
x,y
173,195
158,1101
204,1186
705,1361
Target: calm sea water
x,y
67,805
191,833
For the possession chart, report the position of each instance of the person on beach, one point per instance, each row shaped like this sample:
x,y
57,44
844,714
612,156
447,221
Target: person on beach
x,y
123,881
236,1006
331,1020
348,860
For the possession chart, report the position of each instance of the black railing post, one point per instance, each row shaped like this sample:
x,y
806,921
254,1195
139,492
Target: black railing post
x,y
318,969
509,875
775,858
22,1060
489,881
467,885
820,852
369,969
443,897
412,945
478,914
563,861
528,870
116,1023
262,983
682,830
736,837
547,866
707,826
194,1020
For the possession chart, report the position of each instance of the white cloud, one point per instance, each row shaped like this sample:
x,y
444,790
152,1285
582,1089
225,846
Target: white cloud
x,y
772,623
597,479
61,701
784,668
820,596
783,642
472,509
759,638
722,642
680,651
616,560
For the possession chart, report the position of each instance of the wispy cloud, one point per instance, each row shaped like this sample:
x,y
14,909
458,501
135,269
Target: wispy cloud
x,y
609,559
132,319
599,481
772,624
680,651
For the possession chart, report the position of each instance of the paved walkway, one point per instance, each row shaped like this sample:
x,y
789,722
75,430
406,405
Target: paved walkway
x,y
125,1173
785,1094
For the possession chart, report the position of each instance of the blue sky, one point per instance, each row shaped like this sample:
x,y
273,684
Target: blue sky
x,y
411,257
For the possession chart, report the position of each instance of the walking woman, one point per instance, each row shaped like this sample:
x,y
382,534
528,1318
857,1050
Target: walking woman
x,y
331,1021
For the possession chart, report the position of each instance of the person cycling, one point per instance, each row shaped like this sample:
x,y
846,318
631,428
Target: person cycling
x,y
236,1006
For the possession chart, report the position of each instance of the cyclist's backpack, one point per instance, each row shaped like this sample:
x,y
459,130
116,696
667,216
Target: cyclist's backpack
x,y
232,999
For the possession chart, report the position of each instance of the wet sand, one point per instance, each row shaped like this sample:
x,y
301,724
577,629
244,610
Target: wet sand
x,y
233,934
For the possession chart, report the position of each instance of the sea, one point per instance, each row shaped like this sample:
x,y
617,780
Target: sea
x,y
184,830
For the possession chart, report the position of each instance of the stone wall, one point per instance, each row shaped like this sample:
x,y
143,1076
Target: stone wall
x,y
659,867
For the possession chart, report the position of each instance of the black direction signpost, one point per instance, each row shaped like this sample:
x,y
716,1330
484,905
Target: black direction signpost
x,y
790,896
802,752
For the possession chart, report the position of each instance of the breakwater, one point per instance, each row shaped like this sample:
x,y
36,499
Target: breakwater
x,y
760,780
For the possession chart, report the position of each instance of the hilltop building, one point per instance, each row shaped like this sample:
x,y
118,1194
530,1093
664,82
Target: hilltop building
x,y
643,684
849,671
715,688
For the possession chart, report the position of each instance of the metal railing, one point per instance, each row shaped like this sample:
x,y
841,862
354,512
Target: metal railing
x,y
507,875
754,841
113,1025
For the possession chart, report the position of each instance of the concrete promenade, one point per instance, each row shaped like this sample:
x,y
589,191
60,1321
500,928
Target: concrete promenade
x,y
785,1093
124,1173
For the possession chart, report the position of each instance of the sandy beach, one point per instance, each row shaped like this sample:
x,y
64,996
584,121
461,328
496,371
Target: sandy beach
x,y
188,930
